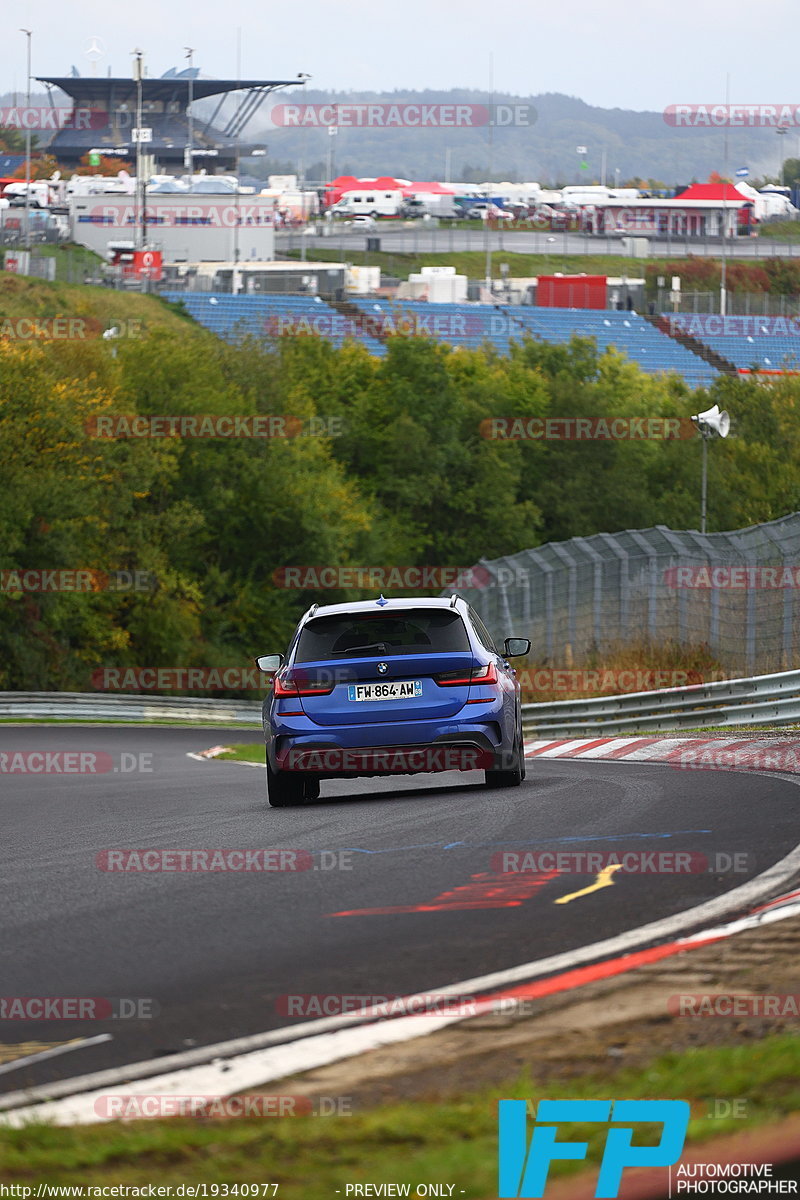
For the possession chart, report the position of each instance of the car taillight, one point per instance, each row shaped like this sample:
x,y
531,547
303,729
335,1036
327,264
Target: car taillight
x,y
292,688
487,674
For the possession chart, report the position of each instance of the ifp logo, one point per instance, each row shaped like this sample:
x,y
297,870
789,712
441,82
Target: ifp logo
x,y
523,1169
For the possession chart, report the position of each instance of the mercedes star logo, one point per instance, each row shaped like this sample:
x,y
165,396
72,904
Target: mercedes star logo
x,y
383,668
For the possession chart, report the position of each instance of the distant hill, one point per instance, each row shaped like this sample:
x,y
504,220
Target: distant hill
x,y
636,143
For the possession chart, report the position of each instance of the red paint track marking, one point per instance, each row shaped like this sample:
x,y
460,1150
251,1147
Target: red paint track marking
x,y
549,746
589,746
778,900
488,889
693,746
621,751
597,971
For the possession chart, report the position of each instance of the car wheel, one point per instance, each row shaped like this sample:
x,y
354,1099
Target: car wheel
x,y
287,789
512,777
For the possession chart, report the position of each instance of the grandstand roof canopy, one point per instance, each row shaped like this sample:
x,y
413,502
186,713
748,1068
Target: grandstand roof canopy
x,y
98,88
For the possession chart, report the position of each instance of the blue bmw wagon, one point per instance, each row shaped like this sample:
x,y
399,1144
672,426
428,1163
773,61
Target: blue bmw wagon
x,y
386,687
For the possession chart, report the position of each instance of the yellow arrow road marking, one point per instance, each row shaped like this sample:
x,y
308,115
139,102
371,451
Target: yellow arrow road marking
x,y
604,879
11,1051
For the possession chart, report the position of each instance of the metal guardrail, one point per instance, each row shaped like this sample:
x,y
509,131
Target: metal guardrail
x,y
78,706
764,698
773,699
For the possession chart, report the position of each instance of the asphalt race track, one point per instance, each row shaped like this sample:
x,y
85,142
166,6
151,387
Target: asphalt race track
x,y
214,952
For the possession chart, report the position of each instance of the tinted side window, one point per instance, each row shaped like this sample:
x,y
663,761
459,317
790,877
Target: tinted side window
x,y
415,631
482,632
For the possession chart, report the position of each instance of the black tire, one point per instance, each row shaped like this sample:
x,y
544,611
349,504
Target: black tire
x,y
285,789
512,777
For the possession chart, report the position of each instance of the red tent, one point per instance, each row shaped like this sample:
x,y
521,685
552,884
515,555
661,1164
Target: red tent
x,y
430,189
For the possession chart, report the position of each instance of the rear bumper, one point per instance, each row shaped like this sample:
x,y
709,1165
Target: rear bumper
x,y
485,742
349,762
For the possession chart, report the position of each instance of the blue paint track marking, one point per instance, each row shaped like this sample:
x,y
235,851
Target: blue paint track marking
x,y
607,837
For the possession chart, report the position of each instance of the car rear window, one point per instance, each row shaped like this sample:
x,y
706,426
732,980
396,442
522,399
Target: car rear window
x,y
415,631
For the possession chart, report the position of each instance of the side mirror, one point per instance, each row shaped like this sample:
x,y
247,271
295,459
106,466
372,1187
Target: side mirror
x,y
269,663
515,647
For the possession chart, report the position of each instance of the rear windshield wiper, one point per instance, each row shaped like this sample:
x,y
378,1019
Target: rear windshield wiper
x,y
380,647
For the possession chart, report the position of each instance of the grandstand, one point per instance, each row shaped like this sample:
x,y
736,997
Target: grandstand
x,y
463,325
104,113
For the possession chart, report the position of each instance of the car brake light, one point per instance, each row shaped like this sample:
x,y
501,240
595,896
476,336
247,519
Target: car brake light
x,y
291,688
487,674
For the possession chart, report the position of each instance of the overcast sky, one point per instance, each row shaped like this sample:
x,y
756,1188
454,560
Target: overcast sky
x,y
632,54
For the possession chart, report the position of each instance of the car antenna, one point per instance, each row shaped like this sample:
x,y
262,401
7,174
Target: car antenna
x,y
381,600
453,599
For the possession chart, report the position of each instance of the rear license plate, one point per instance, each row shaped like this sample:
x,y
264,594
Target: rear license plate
x,y
406,689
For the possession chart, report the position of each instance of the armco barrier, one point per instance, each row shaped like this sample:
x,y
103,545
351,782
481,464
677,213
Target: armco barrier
x,y
763,699
89,706
769,699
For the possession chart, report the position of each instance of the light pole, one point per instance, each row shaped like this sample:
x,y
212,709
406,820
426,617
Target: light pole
x,y
236,248
781,131
27,33
333,131
304,77
711,423
188,155
139,218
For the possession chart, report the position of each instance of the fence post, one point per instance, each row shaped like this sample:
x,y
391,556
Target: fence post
x,y
572,593
548,571
597,587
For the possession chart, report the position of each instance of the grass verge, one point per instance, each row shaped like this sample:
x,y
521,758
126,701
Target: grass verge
x,y
472,263
244,752
451,1140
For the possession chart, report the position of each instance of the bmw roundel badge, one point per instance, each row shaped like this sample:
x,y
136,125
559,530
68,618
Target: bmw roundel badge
x,y
383,668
